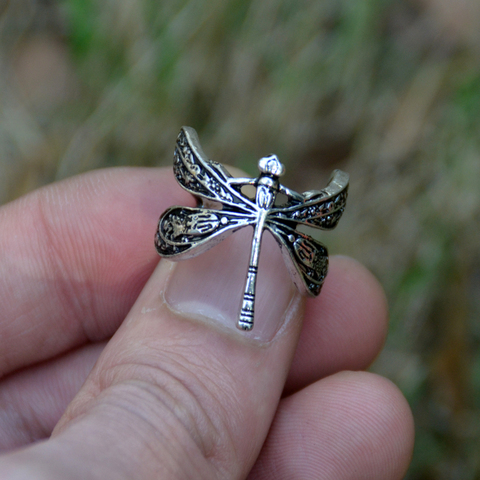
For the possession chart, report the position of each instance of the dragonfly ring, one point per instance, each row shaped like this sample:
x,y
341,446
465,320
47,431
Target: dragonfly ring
x,y
185,232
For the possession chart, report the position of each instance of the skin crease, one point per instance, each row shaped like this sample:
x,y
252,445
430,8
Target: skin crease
x,y
175,394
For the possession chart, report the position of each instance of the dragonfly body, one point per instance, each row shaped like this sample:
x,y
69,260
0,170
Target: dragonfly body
x,y
185,232
267,189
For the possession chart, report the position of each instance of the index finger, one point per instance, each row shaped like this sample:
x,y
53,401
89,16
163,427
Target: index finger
x,y
75,256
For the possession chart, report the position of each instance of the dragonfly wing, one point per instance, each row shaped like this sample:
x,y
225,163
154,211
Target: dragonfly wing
x,y
185,232
319,209
305,258
203,177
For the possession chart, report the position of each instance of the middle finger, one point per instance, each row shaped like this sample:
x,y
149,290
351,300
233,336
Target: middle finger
x,y
352,330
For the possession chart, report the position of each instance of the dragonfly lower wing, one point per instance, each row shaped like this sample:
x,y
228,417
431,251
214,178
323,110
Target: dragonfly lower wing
x,y
306,259
185,232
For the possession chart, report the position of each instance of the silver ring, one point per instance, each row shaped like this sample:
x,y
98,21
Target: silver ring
x,y
185,232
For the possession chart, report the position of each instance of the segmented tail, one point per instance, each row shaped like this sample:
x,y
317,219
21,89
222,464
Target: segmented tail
x,y
247,312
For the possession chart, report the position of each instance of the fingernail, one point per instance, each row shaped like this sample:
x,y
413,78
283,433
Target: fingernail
x,y
210,287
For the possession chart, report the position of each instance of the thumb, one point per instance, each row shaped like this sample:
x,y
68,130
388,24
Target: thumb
x,y
179,392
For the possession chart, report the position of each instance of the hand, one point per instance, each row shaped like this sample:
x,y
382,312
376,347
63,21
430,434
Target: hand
x,y
178,392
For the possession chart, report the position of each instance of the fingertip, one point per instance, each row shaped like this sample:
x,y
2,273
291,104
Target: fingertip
x,y
377,407
381,418
349,425
380,421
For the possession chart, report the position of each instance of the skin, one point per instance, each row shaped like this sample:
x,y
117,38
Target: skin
x,y
107,372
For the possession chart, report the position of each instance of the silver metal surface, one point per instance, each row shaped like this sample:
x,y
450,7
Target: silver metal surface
x,y
185,232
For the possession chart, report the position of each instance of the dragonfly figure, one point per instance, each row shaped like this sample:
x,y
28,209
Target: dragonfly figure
x,y
223,208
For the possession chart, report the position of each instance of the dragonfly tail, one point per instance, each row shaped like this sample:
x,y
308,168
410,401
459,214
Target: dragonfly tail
x,y
245,319
247,311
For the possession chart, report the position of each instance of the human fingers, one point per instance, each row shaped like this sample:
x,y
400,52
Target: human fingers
x,y
331,340
346,338
33,399
177,392
349,426
99,192
75,256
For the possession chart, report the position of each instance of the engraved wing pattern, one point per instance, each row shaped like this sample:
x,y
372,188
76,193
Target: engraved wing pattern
x,y
319,209
186,232
203,177
305,257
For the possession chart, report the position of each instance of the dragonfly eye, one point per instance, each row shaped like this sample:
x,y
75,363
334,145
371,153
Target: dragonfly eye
x,y
271,166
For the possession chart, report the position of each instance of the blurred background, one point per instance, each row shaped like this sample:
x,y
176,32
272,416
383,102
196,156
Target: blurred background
x,y
387,90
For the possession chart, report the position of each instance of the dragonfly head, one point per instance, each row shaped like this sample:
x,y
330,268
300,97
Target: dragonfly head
x,y
271,165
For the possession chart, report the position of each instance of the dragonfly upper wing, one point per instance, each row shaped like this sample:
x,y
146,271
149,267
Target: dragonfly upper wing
x,y
305,258
203,177
185,232
318,209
